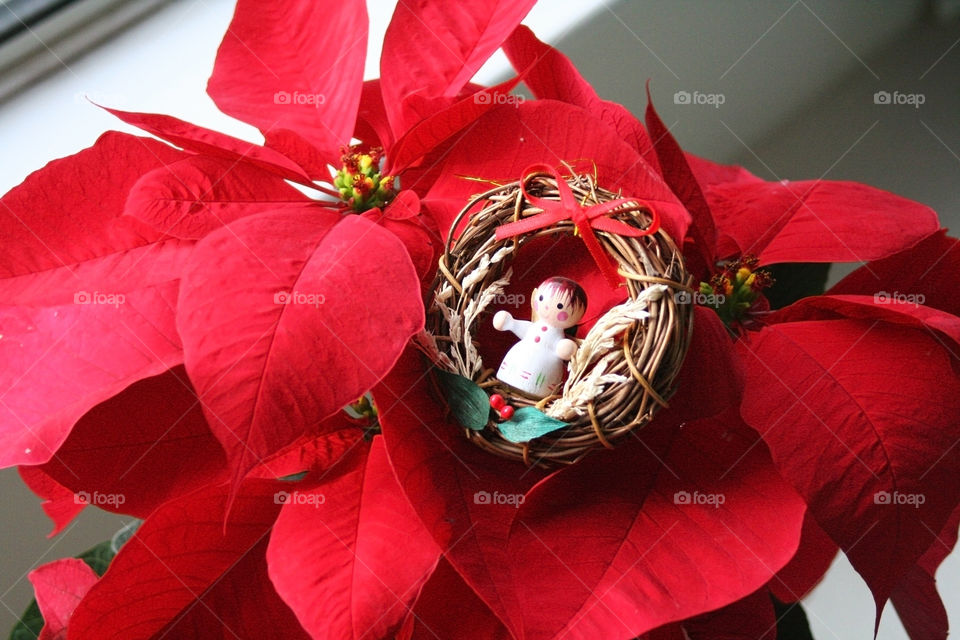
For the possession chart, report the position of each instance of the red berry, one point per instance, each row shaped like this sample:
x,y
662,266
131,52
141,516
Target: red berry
x,y
497,401
506,412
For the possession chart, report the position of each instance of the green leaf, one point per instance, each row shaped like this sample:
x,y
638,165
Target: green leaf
x,y
469,403
97,558
125,533
528,423
293,477
796,280
791,621
29,625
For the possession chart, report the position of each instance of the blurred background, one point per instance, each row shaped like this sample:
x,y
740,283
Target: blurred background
x,y
803,89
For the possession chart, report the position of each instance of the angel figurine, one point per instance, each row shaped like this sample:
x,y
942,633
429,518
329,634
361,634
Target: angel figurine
x,y
536,365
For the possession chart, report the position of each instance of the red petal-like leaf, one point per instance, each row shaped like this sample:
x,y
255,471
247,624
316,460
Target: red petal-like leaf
x,y
654,531
862,417
942,546
294,70
94,293
184,574
61,228
213,143
884,306
59,362
551,76
445,479
807,568
241,604
59,587
432,49
677,173
667,632
417,231
60,504
919,606
916,598
448,608
510,138
373,128
928,269
153,428
320,456
711,374
709,173
191,198
815,221
433,130
751,618
286,317
350,556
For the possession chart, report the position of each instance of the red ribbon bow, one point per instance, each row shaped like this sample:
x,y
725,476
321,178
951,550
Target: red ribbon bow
x,y
586,219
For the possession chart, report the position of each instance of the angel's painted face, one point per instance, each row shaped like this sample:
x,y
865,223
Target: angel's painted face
x,y
559,302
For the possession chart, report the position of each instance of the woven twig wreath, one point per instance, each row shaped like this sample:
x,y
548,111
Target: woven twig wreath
x,y
625,367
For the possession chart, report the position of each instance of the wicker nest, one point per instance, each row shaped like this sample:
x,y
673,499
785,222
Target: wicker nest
x,y
625,367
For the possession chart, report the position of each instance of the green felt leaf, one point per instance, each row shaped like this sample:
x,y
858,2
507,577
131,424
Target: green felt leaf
x,y
528,423
469,403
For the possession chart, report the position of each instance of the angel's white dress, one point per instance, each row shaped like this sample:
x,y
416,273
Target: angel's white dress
x,y
532,365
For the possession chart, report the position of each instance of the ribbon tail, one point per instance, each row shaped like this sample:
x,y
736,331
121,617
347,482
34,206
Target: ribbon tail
x,y
604,262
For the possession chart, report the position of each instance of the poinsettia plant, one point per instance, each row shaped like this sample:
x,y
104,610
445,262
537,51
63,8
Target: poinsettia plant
x,y
189,320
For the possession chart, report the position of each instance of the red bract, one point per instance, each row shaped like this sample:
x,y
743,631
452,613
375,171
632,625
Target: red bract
x,y
60,586
293,70
88,295
432,50
350,556
866,454
117,469
287,279
916,598
59,503
587,539
171,578
853,395
270,513
298,84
